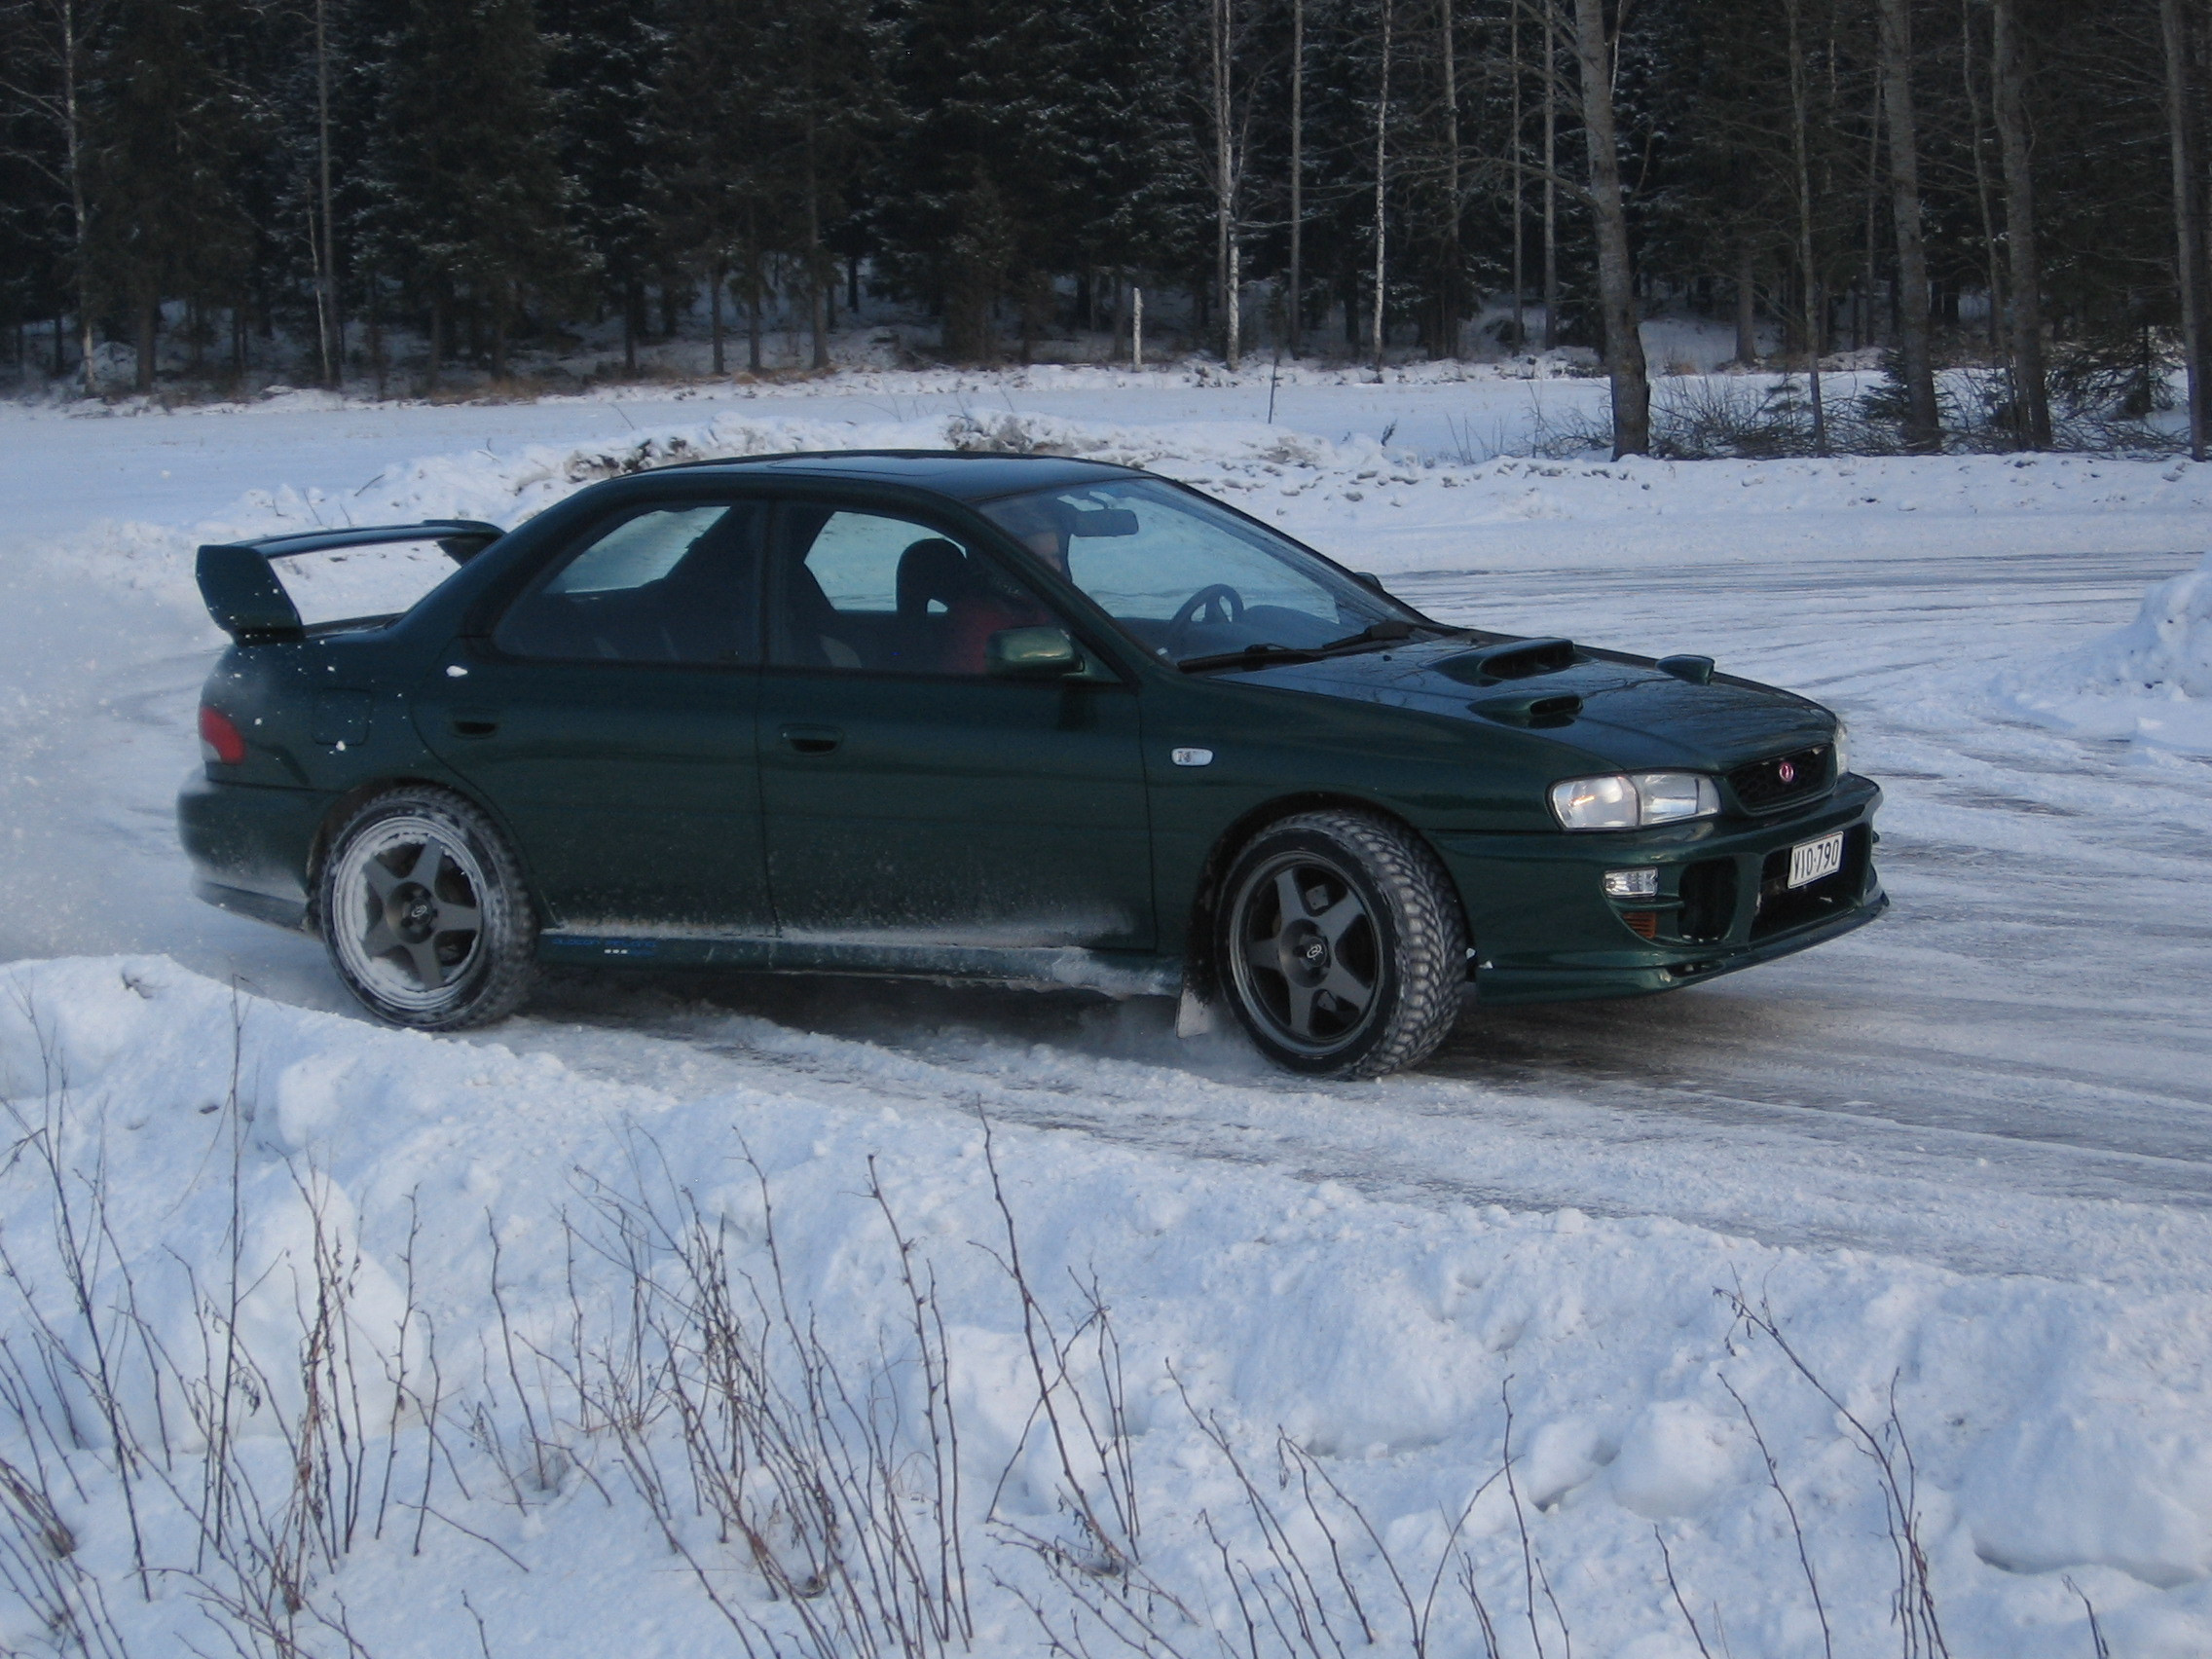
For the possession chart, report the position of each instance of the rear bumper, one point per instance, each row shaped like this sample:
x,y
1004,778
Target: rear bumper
x,y
1544,930
250,846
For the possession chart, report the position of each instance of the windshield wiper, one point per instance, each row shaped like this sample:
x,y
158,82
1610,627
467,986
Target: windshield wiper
x,y
1385,633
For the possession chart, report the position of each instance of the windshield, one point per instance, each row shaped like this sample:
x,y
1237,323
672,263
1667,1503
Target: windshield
x,y
1190,579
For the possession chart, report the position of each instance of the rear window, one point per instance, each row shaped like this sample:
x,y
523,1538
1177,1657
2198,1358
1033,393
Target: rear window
x,y
352,583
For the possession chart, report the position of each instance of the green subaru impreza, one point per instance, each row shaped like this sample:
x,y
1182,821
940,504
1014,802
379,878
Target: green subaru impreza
x,y
1009,717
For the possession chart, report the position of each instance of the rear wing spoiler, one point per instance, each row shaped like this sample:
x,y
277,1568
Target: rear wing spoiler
x,y
248,603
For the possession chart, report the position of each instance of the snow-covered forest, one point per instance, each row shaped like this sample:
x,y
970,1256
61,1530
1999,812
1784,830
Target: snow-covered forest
x,y
200,192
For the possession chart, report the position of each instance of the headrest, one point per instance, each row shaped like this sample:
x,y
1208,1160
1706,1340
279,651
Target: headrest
x,y
934,568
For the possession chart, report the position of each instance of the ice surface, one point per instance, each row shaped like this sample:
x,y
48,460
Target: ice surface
x,y
1966,1149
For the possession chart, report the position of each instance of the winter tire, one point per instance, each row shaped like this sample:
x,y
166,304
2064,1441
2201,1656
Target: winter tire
x,y
425,915
1342,944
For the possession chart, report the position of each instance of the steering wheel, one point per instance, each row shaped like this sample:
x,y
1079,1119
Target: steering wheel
x,y
1224,603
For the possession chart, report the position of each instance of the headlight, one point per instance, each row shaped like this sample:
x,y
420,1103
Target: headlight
x,y
1842,747
1632,801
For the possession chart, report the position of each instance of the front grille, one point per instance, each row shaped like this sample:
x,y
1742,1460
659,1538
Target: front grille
x,y
1781,906
1782,779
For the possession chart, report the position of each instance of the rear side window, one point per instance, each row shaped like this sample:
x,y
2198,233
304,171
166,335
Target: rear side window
x,y
637,551
675,585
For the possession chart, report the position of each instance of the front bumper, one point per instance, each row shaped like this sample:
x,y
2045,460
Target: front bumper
x,y
1544,931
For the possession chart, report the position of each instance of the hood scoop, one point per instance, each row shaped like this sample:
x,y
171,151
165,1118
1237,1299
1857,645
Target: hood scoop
x,y
1693,670
1520,659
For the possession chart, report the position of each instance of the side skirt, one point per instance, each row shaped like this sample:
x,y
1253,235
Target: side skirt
x,y
1118,974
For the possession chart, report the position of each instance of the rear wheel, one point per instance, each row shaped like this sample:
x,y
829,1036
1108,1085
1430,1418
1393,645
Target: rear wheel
x,y
424,912
1342,944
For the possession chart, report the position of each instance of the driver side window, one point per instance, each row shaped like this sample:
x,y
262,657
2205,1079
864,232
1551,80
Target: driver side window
x,y
1179,574
868,592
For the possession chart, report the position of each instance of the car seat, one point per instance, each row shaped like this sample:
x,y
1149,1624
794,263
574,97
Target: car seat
x,y
932,572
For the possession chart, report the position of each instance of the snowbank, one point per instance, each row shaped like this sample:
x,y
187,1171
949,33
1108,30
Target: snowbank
x,y
2150,682
1379,507
425,1260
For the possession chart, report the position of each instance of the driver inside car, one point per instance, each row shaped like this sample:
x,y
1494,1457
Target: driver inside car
x,y
990,605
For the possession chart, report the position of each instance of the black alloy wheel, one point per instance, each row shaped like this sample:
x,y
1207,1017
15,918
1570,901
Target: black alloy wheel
x,y
1342,946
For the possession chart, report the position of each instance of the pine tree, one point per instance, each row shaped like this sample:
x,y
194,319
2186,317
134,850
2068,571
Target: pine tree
x,y
165,141
605,55
468,199
982,200
715,210
815,111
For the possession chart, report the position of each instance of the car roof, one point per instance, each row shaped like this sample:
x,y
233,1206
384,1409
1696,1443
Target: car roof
x,y
964,475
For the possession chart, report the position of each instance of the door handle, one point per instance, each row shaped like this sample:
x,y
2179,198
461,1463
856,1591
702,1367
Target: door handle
x,y
474,722
812,739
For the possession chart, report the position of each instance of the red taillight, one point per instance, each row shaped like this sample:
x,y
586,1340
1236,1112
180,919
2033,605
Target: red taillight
x,y
219,739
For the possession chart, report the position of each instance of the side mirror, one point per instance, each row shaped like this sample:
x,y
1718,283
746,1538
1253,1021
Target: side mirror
x,y
1031,653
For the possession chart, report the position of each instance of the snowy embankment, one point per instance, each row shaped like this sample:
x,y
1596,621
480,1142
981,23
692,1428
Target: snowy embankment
x,y
2150,682
395,1334
1389,508
372,1322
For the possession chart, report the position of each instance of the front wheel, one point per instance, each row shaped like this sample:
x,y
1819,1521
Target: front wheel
x,y
1342,944
424,912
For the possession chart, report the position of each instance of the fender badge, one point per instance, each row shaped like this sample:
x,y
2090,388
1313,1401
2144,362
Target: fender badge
x,y
1192,757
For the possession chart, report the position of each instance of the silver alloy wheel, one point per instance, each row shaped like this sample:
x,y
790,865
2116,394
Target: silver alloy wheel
x,y
407,911
1306,955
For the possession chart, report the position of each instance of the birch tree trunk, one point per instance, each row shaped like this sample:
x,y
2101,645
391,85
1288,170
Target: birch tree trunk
x,y
1448,298
2189,215
717,274
816,296
2030,396
1594,47
1520,200
1746,305
62,32
1296,320
332,320
1806,254
1549,81
1223,182
1981,190
1922,428
753,296
1381,180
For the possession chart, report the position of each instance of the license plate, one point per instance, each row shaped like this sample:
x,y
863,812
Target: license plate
x,y
1809,861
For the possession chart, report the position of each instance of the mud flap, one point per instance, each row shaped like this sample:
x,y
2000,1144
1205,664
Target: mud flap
x,y
1193,1014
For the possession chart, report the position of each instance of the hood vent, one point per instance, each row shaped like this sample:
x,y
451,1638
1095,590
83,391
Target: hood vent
x,y
1538,710
1520,659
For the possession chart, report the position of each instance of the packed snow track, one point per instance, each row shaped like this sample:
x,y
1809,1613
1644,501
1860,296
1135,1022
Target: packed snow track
x,y
2017,1041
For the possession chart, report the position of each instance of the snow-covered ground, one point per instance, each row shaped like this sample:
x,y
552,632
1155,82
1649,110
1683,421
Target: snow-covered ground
x,y
1959,1160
